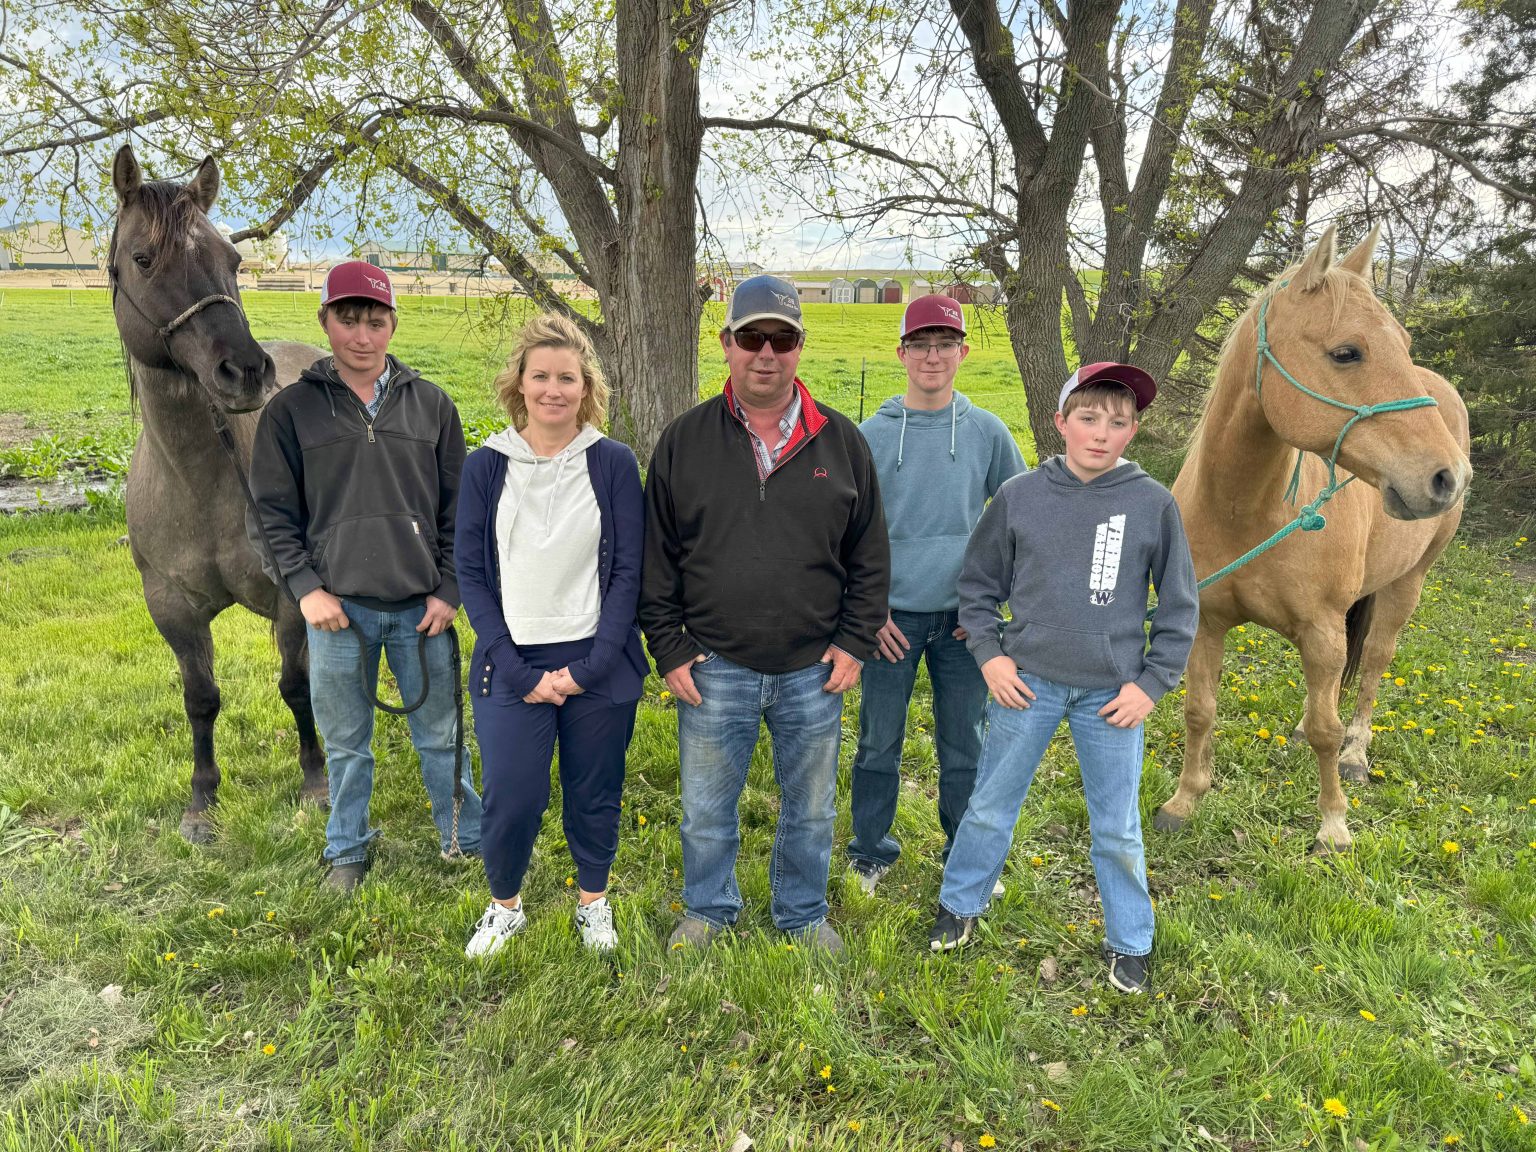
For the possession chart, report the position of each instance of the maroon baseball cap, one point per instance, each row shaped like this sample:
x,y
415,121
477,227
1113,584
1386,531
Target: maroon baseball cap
x,y
932,312
357,280
1142,385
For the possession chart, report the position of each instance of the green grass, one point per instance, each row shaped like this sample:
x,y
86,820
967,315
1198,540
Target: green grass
x,y
383,1036
75,379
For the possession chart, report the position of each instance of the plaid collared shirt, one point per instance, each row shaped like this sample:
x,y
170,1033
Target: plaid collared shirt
x,y
380,386
768,457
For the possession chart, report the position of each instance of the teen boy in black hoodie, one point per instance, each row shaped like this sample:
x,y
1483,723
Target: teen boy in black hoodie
x,y
355,471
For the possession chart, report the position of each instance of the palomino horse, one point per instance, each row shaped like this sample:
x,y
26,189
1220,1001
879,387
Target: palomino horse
x,y
192,362
1340,594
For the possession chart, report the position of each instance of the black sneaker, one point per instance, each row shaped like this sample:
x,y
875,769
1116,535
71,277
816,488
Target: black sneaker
x,y
1130,974
868,873
950,931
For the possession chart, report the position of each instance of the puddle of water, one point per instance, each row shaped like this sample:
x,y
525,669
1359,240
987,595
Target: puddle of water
x,y
64,494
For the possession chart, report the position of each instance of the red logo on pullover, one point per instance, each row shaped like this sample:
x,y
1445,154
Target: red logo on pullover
x,y
819,474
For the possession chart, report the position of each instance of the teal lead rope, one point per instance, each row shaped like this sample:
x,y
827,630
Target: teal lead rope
x,y
1310,518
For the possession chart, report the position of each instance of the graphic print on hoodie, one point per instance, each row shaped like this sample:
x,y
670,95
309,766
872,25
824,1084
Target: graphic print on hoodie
x,y
547,532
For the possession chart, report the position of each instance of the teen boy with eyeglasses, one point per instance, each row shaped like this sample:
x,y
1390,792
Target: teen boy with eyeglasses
x,y
939,459
765,580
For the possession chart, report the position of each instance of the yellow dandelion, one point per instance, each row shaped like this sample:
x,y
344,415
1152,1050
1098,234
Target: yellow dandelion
x,y
261,892
1450,847
854,1125
215,913
1451,1139
678,946
1464,808
1319,967
831,1087
986,1140
1367,1015
1263,733
1080,1010
169,956
1399,681
1335,1107
1281,741
1217,896
1267,1095
676,906
640,819
1520,1114
1051,1104
682,1047
268,1049
271,915
570,881
665,696
826,1072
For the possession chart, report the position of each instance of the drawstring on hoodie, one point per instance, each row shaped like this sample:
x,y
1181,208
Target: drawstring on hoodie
x,y
954,421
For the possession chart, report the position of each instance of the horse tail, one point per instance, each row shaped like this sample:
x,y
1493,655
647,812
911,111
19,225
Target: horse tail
x,y
1357,624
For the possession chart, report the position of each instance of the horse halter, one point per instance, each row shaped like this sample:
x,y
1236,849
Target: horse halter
x,y
1310,518
164,331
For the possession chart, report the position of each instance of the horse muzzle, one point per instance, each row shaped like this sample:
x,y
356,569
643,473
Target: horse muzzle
x,y
1421,498
241,384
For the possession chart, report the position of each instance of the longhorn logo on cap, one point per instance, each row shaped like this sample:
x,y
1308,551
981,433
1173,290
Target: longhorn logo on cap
x,y
787,301
950,312
379,284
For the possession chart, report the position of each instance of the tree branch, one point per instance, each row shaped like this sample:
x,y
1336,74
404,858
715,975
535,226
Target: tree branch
x,y
823,135
1445,150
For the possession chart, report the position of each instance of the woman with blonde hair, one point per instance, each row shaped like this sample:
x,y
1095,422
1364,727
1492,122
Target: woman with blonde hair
x,y
549,537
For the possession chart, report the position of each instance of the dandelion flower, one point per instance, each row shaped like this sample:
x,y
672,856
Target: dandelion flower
x,y
1080,1010
1263,733
271,915
215,913
1451,1139
1450,847
826,1072
640,819
1217,896
570,881
1281,741
682,1047
170,956
1520,1114
261,892
854,1125
268,1049
986,1140
1051,1104
1367,1015
1037,861
1335,1107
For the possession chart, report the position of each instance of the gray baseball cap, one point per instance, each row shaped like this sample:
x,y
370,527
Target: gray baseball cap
x,y
764,298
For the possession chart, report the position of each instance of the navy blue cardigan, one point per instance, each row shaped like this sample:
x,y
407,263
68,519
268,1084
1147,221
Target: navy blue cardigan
x,y
616,666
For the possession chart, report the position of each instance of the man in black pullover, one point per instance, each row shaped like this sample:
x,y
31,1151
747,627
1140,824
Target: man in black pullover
x,y
355,471
766,578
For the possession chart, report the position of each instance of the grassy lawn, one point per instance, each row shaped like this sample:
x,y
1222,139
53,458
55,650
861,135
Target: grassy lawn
x,y
159,996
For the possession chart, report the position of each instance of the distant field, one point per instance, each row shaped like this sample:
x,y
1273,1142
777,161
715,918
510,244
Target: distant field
x,y
63,370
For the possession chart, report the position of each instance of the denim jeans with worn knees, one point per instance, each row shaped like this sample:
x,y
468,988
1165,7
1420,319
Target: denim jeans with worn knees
x,y
1110,760
344,716
959,702
715,743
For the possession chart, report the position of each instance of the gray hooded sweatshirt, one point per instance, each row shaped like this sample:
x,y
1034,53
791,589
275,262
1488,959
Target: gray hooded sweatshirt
x,y
937,471
547,530
1072,561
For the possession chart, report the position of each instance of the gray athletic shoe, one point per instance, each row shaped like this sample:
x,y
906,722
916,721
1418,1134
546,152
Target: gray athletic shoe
x,y
823,936
344,878
868,873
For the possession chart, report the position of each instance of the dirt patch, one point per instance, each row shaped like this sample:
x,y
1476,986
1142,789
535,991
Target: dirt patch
x,y
15,430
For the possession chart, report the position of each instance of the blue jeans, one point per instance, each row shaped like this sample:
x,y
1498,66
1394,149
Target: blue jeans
x,y
959,702
715,742
344,715
1110,759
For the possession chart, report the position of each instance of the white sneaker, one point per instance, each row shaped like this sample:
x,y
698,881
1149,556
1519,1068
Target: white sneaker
x,y
496,927
596,923
997,890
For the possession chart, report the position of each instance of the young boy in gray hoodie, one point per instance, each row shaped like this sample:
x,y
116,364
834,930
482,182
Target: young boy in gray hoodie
x,y
939,459
1071,548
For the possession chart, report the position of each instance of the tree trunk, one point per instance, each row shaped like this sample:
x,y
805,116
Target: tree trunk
x,y
1033,309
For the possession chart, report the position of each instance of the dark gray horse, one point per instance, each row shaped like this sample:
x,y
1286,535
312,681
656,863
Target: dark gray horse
x,y
192,360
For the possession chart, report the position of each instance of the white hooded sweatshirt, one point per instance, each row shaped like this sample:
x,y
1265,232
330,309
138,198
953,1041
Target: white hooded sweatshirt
x,y
547,533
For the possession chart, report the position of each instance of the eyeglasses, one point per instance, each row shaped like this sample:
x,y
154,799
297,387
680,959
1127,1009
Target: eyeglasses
x,y
945,349
751,340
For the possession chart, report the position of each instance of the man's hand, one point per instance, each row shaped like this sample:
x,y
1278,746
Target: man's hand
x,y
1129,708
439,615
545,692
323,611
1002,677
680,682
961,634
890,644
565,683
845,669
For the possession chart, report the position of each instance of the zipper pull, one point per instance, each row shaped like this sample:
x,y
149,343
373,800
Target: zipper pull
x,y
762,491
370,431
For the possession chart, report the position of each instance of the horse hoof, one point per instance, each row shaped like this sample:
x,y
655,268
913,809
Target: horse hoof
x,y
1355,771
315,796
1321,847
1298,737
196,828
1165,821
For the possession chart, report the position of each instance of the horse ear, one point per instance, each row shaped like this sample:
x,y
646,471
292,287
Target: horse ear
x,y
1309,277
203,188
1358,259
126,174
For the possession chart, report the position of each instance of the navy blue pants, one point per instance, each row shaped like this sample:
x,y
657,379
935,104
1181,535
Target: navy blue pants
x,y
517,743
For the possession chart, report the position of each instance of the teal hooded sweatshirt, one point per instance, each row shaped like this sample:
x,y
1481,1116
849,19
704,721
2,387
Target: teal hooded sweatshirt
x,y
937,471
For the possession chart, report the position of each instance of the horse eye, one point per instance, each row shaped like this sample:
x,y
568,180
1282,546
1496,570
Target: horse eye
x,y
141,259
1348,354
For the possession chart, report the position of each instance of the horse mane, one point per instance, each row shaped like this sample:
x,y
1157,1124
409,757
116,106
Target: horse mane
x,y
168,212
1238,349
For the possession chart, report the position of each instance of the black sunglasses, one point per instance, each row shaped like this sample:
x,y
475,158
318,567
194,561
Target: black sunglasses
x,y
751,340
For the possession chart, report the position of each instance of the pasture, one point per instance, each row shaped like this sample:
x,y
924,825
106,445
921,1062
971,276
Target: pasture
x,y
159,996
